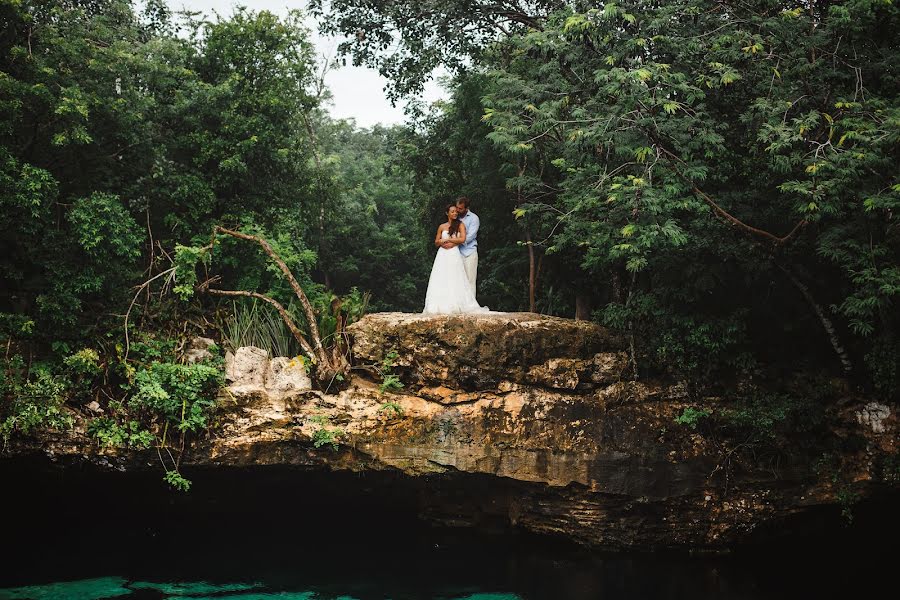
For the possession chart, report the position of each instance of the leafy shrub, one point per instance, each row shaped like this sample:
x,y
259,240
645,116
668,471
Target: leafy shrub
x,y
111,434
84,362
186,259
320,420
105,230
389,381
33,404
85,369
691,416
177,481
180,394
326,436
762,415
684,345
391,407
355,304
147,347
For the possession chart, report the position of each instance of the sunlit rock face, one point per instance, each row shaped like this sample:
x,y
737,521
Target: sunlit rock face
x,y
514,418
541,413
482,352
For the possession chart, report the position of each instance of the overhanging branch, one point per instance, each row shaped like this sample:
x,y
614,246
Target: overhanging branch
x,y
721,213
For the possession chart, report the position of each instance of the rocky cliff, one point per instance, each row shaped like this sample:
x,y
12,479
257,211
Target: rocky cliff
x,y
522,420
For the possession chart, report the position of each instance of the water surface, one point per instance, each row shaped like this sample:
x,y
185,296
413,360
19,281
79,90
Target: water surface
x,y
288,535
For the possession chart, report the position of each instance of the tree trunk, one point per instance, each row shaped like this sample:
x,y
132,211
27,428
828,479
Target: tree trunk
x,y
532,272
583,306
827,325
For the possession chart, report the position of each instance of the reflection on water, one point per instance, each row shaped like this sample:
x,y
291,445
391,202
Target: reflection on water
x,y
101,588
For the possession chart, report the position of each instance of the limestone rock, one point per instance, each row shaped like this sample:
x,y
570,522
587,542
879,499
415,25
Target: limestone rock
x,y
198,350
873,415
524,419
480,352
286,376
559,373
608,367
246,368
251,375
446,395
572,373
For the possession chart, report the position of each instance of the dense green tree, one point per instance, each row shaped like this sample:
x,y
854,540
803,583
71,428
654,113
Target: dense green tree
x,y
70,110
775,123
117,134
375,239
722,175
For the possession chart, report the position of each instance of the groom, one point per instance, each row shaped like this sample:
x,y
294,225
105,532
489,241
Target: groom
x,y
469,249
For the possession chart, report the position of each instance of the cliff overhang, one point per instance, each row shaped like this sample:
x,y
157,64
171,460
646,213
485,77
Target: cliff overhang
x,y
540,412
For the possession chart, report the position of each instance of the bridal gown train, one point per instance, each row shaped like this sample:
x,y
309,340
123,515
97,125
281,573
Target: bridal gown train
x,y
449,291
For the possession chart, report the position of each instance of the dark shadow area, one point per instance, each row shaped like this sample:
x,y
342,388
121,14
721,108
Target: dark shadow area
x,y
357,535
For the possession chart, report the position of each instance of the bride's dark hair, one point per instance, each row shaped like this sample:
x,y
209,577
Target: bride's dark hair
x,y
454,226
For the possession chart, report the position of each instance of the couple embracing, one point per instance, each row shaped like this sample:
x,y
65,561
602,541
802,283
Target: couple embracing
x,y
451,287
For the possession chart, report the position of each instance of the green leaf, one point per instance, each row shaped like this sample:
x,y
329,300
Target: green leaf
x,y
635,264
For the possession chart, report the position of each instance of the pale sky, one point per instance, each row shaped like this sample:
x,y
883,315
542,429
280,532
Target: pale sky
x,y
358,92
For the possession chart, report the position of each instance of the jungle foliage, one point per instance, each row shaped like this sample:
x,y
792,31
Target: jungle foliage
x,y
718,180
126,137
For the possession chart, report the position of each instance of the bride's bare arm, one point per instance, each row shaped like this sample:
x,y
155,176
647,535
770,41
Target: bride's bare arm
x,y
460,236
437,238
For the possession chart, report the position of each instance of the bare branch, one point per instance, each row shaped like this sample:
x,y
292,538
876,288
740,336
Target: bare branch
x,y
278,306
298,291
728,217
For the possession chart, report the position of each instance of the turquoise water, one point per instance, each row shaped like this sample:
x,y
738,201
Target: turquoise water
x,y
406,563
284,534
101,588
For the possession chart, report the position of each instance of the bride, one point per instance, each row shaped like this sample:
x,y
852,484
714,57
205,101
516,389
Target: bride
x,y
449,291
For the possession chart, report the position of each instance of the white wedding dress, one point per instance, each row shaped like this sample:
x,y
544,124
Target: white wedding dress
x,y
449,292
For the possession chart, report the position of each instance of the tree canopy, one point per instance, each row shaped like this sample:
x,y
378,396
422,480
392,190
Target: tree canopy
x,y
716,180
722,174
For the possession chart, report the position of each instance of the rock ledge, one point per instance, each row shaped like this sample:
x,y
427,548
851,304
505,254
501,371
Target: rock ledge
x,y
485,351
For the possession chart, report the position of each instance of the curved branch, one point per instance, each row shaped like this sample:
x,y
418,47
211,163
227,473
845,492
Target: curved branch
x,y
298,291
827,325
281,310
140,288
728,217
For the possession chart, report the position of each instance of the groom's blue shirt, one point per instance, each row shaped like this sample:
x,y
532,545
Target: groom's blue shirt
x,y
472,223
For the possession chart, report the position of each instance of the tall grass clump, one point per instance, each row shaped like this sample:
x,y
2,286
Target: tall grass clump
x,y
254,323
